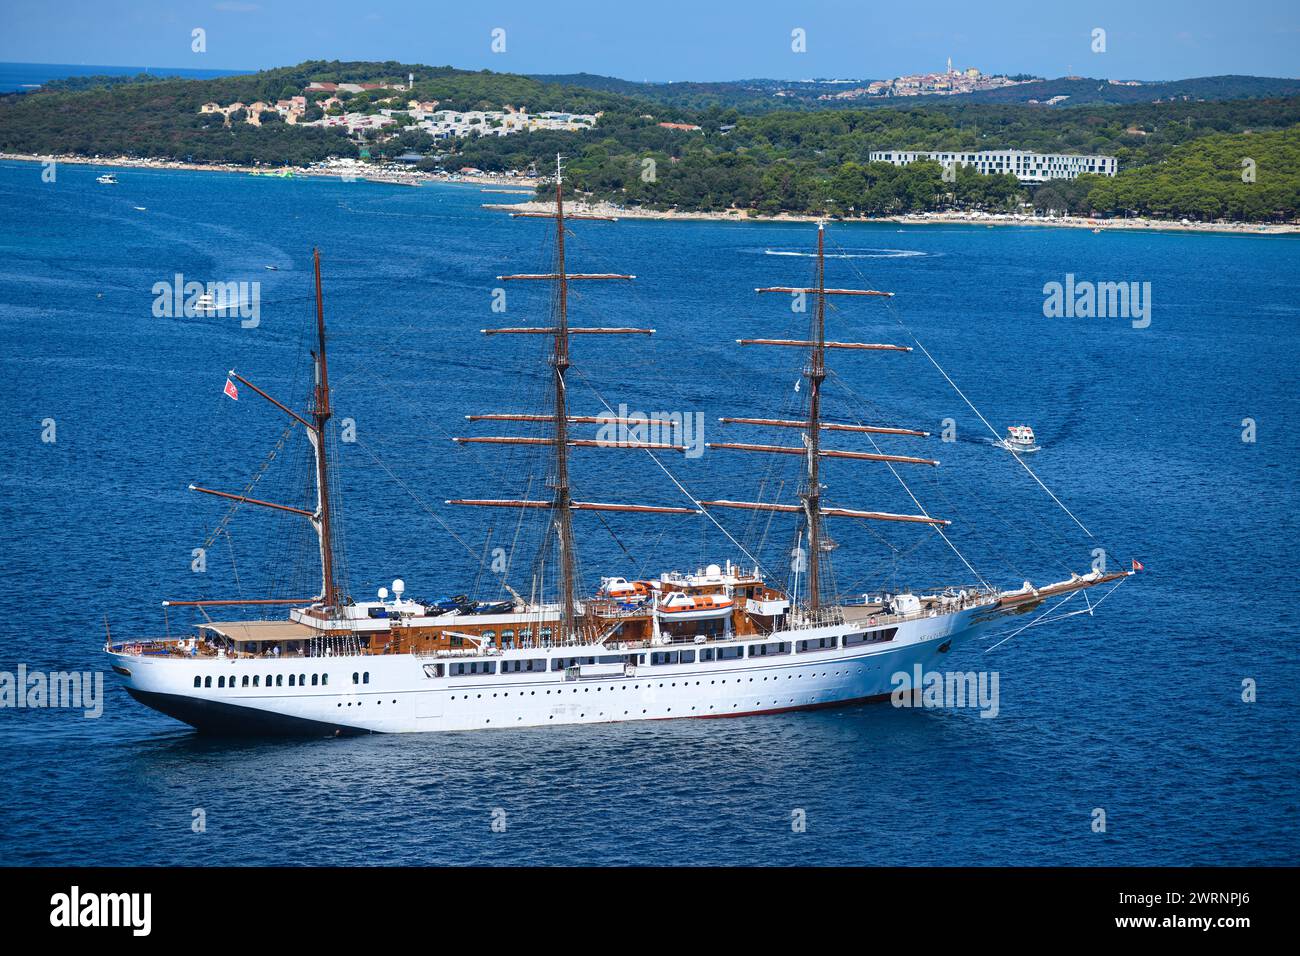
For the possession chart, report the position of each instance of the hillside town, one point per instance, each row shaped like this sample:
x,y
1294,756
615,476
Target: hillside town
x,y
948,83
332,105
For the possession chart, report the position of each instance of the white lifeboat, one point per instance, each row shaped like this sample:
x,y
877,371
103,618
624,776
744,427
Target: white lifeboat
x,y
623,588
680,606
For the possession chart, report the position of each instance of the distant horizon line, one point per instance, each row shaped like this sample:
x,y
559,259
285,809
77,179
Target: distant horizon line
x,y
243,71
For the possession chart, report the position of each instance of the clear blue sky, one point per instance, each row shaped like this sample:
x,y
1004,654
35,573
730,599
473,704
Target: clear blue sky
x,y
674,39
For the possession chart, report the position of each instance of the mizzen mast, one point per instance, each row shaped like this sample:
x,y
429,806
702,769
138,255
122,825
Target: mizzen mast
x,y
320,413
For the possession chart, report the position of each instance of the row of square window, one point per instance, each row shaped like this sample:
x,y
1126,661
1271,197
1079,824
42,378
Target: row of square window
x,y
463,668
650,685
277,680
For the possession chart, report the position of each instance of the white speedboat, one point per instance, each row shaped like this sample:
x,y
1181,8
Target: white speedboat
x,y
108,179
1020,439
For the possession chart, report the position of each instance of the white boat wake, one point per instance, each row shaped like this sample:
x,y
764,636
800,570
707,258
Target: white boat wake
x,y
866,254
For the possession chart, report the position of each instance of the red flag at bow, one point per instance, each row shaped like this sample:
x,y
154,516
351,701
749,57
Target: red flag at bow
x,y
1137,565
231,390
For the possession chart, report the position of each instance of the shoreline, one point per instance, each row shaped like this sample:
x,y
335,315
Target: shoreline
x,y
526,185
921,219
359,171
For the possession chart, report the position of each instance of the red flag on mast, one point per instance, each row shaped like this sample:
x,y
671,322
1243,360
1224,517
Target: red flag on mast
x,y
231,390
1137,565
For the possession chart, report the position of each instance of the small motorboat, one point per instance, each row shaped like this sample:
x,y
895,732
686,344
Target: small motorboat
x,y
1020,439
108,179
205,303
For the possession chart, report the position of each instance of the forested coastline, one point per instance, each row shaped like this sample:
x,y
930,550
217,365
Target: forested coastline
x,y
1232,158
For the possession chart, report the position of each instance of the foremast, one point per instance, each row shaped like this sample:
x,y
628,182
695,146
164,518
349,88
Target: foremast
x,y
815,372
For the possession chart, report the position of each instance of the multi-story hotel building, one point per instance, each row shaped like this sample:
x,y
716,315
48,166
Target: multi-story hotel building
x,y
1026,166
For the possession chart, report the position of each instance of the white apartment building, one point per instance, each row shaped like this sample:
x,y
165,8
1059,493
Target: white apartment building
x,y
1026,166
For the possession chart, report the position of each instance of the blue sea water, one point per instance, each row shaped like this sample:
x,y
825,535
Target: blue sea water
x,y
23,77
1137,710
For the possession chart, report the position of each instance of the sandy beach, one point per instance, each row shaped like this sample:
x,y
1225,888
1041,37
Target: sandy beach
x,y
522,185
337,168
921,219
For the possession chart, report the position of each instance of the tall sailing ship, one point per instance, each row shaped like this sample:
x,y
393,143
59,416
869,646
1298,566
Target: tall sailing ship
x,y
719,641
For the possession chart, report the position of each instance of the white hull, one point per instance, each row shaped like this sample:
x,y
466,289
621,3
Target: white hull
x,y
401,697
1016,447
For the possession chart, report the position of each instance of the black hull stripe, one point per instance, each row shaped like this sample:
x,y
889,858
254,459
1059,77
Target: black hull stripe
x,y
216,717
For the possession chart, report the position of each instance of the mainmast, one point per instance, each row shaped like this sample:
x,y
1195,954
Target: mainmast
x,y
320,414
560,427
561,331
816,374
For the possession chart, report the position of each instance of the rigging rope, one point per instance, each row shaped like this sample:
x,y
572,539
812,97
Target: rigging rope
x,y
417,499
1043,618
938,530
673,478
1018,458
